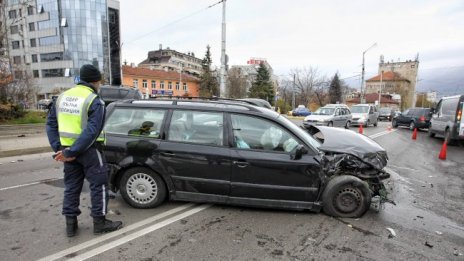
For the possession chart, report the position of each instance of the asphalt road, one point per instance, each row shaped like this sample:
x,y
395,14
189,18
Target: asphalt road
x,y
428,217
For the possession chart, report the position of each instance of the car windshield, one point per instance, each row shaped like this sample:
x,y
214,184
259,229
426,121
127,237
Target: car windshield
x,y
359,109
385,110
302,133
324,111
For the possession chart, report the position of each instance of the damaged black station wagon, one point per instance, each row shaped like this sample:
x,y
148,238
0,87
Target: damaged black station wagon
x,y
232,152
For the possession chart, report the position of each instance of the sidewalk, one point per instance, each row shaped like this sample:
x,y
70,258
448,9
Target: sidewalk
x,y
29,144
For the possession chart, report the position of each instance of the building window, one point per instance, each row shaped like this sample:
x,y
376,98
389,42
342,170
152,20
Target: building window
x,y
169,85
17,59
48,57
177,86
18,74
30,10
144,84
35,73
12,14
33,43
15,44
14,29
162,85
136,83
185,86
34,58
153,84
31,27
52,73
64,22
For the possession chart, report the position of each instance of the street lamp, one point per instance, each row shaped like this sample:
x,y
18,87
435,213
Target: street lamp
x,y
362,77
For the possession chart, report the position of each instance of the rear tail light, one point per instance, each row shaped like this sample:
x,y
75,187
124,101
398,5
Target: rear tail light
x,y
422,118
458,116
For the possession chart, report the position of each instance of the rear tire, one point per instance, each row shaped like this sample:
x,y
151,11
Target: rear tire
x,y
448,139
346,196
394,123
430,132
375,124
347,125
142,188
412,125
330,124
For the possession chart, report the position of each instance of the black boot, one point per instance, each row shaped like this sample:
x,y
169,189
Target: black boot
x,y
71,226
102,225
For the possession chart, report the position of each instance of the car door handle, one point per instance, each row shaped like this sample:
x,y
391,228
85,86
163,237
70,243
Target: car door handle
x,y
167,154
241,164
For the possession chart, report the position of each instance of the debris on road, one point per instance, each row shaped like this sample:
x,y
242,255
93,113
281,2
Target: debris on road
x,y
349,225
392,232
456,253
21,136
428,244
420,216
439,233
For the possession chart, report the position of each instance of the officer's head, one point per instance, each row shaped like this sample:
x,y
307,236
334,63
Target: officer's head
x,y
90,74
146,125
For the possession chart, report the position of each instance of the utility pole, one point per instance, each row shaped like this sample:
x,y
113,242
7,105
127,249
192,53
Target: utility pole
x,y
362,77
222,85
380,91
293,92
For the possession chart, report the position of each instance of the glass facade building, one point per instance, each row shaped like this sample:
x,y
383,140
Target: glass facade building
x,y
66,35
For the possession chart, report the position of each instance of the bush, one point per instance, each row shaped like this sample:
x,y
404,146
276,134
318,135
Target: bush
x,y
10,112
283,106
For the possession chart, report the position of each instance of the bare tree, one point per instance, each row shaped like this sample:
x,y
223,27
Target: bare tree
x,y
308,82
237,83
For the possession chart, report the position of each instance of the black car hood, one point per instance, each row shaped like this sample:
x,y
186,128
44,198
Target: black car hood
x,y
341,141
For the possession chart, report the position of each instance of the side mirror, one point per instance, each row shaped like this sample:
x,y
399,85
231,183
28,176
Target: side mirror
x,y
298,153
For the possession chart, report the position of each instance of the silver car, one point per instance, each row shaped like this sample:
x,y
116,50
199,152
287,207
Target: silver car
x,y
365,115
336,115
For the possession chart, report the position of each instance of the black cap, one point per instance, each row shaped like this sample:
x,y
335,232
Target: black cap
x,y
89,73
147,124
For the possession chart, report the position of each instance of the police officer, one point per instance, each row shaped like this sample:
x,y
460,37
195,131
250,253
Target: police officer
x,y
74,124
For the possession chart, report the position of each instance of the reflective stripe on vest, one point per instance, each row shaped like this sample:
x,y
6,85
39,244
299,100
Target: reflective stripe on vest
x,y
72,109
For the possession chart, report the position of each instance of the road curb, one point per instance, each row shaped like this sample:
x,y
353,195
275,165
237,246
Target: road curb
x,y
20,152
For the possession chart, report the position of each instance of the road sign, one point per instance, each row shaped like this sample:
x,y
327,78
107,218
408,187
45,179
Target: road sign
x,y
77,79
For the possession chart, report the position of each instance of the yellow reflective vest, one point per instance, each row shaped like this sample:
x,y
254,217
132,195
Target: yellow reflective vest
x,y
72,108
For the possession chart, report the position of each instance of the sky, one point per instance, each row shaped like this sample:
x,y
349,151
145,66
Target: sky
x,y
330,35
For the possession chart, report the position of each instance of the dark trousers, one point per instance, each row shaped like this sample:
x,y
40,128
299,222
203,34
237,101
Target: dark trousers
x,y
90,165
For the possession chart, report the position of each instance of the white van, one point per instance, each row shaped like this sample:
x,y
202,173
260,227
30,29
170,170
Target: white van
x,y
447,119
365,115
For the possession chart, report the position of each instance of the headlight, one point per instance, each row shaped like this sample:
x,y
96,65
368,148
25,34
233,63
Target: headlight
x,y
321,120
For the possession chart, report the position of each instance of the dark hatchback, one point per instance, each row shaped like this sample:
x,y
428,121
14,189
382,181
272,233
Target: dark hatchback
x,y
413,118
232,152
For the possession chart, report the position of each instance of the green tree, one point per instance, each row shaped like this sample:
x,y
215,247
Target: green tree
x,y
335,90
208,83
262,86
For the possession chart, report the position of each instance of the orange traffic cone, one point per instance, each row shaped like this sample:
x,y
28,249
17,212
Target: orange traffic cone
x,y
442,154
361,129
414,134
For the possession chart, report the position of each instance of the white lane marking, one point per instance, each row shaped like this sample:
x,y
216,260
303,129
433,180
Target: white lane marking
x,y
114,234
398,167
138,234
376,135
30,184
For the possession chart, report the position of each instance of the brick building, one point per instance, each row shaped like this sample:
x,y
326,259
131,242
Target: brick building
x,y
160,83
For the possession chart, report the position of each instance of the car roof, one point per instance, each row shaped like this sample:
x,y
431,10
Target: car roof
x,y
214,104
335,105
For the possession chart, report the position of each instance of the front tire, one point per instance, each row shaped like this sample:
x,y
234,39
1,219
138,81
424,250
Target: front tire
x,y
142,188
394,123
346,196
330,124
430,132
412,125
347,125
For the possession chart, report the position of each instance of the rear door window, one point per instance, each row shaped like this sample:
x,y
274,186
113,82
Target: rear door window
x,y
197,127
449,107
135,122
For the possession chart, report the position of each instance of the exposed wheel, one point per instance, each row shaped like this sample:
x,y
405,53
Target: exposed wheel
x,y
394,123
142,188
448,139
347,125
412,125
430,132
330,124
346,196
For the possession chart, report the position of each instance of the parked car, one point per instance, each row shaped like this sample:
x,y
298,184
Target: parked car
x,y
337,115
386,113
230,152
301,111
413,118
447,119
364,114
110,94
